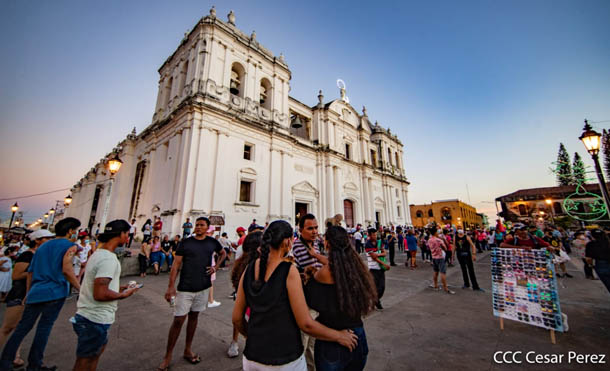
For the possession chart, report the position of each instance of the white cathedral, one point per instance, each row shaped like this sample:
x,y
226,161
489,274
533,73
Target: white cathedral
x,y
227,141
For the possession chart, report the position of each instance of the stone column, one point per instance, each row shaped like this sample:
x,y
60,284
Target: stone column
x,y
330,191
215,168
337,192
365,198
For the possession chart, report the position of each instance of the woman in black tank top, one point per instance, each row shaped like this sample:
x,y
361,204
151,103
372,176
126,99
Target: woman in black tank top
x,y
466,254
272,288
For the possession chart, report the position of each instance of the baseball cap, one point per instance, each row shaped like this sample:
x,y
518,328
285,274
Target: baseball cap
x,y
240,229
254,227
41,233
518,226
113,229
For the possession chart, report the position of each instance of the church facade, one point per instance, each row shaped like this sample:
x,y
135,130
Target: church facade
x,y
228,142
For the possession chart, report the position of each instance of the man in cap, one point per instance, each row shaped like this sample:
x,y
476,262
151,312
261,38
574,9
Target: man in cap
x,y
98,300
49,275
241,232
522,239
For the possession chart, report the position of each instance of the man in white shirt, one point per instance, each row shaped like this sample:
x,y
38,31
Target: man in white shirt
x,y
99,295
132,232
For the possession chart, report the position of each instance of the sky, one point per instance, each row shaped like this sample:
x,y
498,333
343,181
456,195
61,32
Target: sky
x,y
480,93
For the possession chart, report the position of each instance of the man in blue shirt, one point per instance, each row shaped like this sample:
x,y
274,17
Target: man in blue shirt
x,y
49,276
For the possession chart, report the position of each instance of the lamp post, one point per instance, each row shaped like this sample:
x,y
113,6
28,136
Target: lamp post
x,y
592,141
14,209
114,164
550,203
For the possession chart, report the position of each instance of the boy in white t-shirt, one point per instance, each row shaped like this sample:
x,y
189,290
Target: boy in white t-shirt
x,y
99,295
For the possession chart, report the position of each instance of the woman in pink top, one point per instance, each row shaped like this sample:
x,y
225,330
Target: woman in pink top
x,y
157,257
438,246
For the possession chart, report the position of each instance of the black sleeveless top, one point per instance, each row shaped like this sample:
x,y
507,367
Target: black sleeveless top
x,y
274,338
322,297
461,244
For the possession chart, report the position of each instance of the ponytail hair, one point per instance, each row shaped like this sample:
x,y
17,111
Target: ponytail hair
x,y
273,237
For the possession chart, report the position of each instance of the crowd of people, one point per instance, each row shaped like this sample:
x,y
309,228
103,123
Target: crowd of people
x,y
300,296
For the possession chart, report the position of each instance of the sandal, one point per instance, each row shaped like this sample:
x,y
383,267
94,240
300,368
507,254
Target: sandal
x,y
194,359
18,363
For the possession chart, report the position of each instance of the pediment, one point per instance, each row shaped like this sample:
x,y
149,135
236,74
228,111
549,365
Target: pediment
x,y
304,187
378,200
349,186
248,170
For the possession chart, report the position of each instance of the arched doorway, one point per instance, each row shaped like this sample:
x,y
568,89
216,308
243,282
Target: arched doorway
x,y
348,211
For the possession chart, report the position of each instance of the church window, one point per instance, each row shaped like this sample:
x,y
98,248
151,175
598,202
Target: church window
x,y
237,80
430,213
398,211
348,151
397,162
248,149
389,156
245,191
373,157
419,214
265,94
168,91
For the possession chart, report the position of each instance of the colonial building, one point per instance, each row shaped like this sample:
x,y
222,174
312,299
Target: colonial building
x,y
227,140
443,212
549,203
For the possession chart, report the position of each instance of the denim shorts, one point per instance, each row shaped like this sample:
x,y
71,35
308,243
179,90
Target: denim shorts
x,y
439,265
91,337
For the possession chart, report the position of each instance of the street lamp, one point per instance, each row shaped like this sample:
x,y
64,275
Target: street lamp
x,y
68,200
14,209
592,141
550,203
114,165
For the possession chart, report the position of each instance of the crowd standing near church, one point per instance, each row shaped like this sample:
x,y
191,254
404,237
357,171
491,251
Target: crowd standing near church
x,y
321,285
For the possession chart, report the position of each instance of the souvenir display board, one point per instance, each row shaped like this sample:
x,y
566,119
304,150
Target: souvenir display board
x,y
524,287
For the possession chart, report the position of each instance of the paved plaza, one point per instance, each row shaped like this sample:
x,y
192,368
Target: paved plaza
x,y
419,329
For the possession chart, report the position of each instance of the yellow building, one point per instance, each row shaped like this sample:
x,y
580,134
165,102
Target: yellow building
x,y
453,212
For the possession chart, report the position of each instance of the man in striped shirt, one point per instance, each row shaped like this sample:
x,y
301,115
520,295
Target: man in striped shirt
x,y
306,253
305,248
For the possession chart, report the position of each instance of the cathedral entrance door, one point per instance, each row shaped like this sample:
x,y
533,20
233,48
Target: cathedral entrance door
x,y
348,210
300,209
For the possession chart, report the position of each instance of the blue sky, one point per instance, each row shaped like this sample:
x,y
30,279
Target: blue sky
x,y
480,92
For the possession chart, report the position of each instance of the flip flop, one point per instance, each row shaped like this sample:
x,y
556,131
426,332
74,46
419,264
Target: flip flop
x,y
194,359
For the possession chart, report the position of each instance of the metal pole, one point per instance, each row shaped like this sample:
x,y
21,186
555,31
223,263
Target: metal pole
x,y
106,204
11,222
602,183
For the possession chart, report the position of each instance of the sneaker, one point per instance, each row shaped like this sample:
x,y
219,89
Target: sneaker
x,y
214,304
465,287
232,296
433,287
479,290
379,306
568,275
564,318
450,292
233,350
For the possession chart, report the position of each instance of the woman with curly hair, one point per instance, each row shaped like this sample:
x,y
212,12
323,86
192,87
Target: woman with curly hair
x,y
272,288
250,246
342,292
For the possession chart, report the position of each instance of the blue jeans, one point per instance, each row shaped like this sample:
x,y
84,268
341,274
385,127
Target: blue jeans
x,y
331,356
157,257
602,268
170,261
48,312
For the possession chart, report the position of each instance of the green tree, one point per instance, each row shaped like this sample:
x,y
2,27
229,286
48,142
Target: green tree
x,y
606,151
578,169
564,169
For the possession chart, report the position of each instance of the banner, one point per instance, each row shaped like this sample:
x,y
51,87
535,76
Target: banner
x,y
524,287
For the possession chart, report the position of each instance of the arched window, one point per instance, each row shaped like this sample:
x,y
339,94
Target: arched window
x,y
168,91
557,208
446,214
522,210
237,80
397,162
183,73
419,214
265,94
430,213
